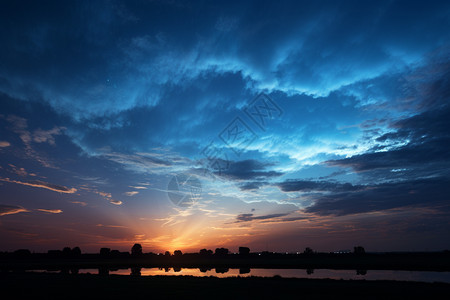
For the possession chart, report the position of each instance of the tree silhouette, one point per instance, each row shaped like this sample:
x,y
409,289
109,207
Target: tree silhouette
x,y
204,252
76,252
308,251
67,252
136,250
177,253
167,253
221,251
244,250
359,250
104,252
22,253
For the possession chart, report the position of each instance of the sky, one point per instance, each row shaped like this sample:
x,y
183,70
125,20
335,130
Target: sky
x,y
277,125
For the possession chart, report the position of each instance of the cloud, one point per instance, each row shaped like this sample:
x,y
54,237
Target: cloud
x,y
115,202
79,202
50,211
249,169
307,186
47,136
44,185
18,171
131,193
108,196
416,141
20,127
432,193
138,187
251,186
11,209
252,217
4,144
301,52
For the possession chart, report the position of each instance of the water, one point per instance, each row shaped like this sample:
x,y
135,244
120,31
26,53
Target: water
x,y
423,276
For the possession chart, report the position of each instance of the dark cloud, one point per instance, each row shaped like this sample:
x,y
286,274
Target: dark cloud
x,y
253,185
249,169
427,142
252,217
307,186
421,193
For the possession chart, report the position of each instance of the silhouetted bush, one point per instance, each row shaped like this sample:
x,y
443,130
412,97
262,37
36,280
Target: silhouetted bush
x,y
167,253
177,253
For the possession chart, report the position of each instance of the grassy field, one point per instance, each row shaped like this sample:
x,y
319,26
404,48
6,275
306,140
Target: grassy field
x,y
59,286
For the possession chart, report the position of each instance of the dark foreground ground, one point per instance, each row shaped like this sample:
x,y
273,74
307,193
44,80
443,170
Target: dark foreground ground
x,y
25,285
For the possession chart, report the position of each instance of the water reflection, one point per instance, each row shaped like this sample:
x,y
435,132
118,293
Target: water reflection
x,y
359,274
222,270
136,271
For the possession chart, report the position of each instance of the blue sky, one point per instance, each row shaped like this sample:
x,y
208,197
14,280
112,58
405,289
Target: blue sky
x,y
103,103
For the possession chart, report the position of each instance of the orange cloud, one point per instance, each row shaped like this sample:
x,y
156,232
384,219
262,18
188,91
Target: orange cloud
x,y
4,144
44,185
11,209
131,193
51,211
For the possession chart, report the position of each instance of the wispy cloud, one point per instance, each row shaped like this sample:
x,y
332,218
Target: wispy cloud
x,y
131,193
252,217
138,187
50,211
4,144
44,185
79,202
108,196
11,209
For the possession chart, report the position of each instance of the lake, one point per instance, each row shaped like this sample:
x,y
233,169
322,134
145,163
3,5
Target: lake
x,y
424,276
